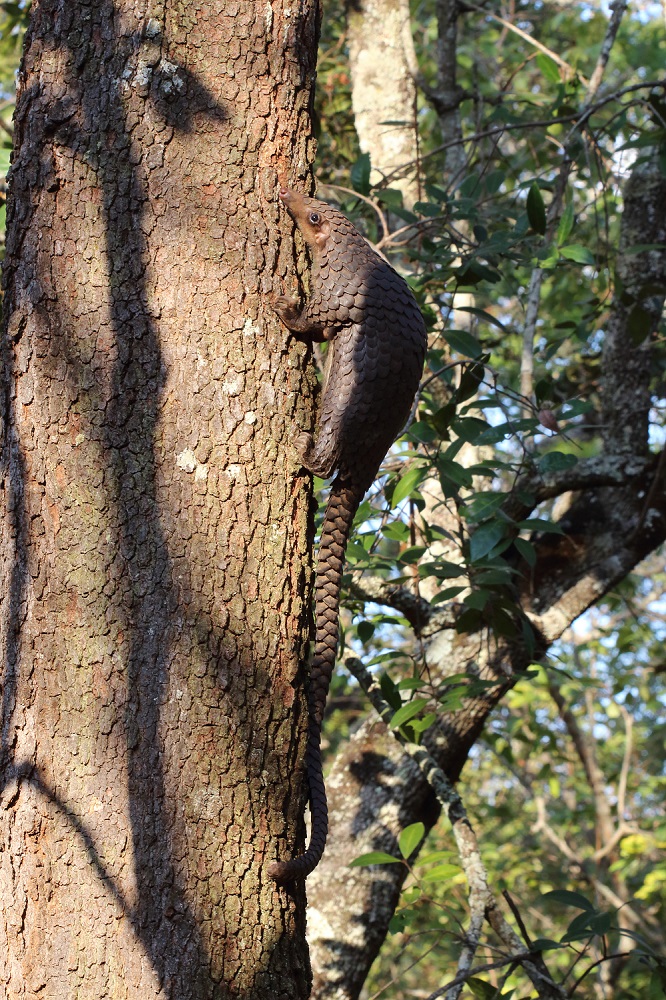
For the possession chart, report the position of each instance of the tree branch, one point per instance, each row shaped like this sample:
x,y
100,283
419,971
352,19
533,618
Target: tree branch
x,y
510,26
618,9
425,618
482,902
589,473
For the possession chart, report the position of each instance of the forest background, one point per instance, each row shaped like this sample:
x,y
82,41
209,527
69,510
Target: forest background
x,y
516,138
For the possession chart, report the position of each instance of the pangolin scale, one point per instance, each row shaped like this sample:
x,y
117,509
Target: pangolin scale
x,y
377,344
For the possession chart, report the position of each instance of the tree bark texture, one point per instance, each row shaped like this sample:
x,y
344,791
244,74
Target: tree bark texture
x,y
155,523
384,91
616,518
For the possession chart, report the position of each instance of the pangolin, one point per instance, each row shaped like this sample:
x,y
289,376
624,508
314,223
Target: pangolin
x,y
376,348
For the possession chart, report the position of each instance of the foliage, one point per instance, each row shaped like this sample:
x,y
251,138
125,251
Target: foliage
x,y
13,23
599,693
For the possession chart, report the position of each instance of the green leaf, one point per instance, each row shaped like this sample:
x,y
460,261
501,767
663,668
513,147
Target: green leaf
x,y
365,631
413,478
574,407
390,197
409,684
428,209
436,193
356,553
470,380
432,856
398,922
642,248
470,429
360,174
397,530
566,225
447,594
577,253
442,873
390,692
474,270
407,712
503,623
539,524
420,725
494,180
374,858
477,599
602,923
485,538
536,210
483,505
454,471
444,569
544,944
526,550
493,577
485,316
548,67
579,927
463,343
412,554
482,990
568,898
441,420
469,186
410,838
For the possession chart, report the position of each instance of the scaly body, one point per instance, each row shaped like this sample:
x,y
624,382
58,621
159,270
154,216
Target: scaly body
x,y
377,343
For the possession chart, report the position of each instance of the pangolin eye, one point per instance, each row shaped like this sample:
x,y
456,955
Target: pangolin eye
x,y
315,218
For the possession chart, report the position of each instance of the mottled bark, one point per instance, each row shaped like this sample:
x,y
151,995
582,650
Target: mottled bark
x,y
618,516
155,523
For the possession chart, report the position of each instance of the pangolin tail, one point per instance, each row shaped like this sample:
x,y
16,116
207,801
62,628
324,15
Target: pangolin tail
x,y
340,510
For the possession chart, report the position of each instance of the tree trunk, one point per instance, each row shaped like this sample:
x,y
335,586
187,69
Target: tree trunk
x,y
384,91
155,523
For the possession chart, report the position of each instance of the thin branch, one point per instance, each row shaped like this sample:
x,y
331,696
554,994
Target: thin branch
x,y
542,826
578,117
369,201
535,966
481,900
486,967
398,977
606,958
517,917
470,856
555,207
589,473
631,916
626,764
528,38
618,9
621,831
424,617
529,331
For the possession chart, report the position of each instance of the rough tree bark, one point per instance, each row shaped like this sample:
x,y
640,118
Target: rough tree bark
x,y
155,525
